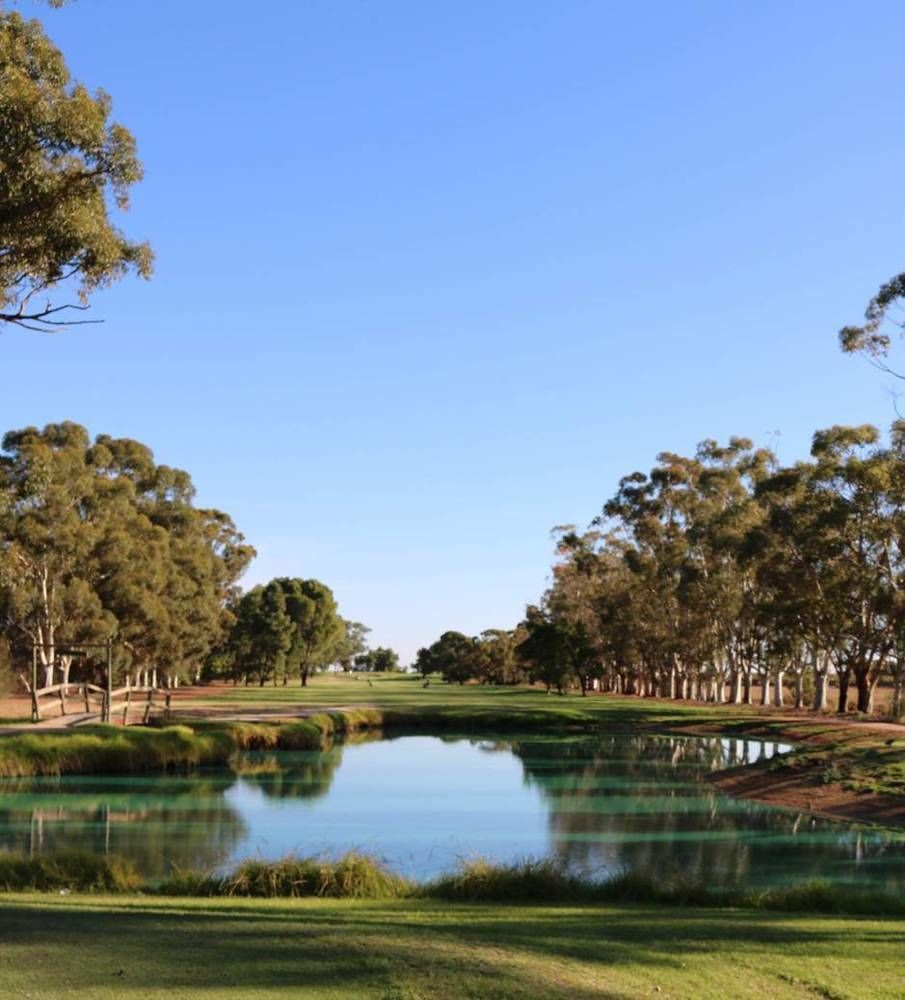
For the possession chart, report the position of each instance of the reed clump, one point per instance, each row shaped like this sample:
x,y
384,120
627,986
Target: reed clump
x,y
75,871
530,880
352,876
478,880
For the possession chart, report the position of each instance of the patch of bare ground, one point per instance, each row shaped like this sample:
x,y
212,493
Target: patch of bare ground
x,y
804,788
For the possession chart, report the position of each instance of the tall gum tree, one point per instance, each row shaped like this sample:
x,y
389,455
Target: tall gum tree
x,y
66,171
96,539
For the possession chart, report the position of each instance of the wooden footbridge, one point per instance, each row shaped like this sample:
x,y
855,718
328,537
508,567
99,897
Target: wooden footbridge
x,y
85,703
67,704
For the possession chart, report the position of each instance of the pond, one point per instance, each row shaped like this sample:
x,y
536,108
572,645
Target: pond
x,y
421,803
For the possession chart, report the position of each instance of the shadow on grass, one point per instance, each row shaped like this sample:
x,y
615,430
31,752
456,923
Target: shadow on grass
x,y
375,949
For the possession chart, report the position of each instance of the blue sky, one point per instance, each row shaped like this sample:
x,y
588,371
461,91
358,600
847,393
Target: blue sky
x,y
432,277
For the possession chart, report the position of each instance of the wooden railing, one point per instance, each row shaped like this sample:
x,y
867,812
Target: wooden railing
x,y
94,700
146,698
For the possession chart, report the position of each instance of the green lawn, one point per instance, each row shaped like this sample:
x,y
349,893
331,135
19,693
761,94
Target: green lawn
x,y
129,948
408,692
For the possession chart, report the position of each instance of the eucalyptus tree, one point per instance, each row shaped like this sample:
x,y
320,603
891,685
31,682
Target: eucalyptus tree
x,y
454,655
552,649
263,632
351,644
720,574
380,660
498,656
97,540
53,522
864,482
318,630
883,317
65,167
571,603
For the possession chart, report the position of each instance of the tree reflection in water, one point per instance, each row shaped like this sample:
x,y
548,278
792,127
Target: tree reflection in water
x,y
603,804
641,803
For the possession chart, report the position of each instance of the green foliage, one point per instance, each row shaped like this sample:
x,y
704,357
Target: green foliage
x,y
872,339
98,540
65,166
379,660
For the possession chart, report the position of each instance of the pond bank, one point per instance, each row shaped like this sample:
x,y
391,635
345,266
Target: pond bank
x,y
843,769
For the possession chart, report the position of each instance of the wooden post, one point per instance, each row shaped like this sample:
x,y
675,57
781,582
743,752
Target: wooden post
x,y
105,714
85,693
62,701
35,707
148,706
128,701
166,713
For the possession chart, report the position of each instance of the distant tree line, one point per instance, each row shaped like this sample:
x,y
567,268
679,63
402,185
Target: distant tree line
x,y
717,574
491,657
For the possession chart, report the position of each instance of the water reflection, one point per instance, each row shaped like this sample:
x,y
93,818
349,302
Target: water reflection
x,y
602,804
641,804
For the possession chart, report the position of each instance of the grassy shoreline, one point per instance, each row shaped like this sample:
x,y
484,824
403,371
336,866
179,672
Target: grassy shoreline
x,y
357,876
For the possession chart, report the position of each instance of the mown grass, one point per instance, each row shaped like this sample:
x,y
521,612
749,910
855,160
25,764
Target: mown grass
x,y
104,947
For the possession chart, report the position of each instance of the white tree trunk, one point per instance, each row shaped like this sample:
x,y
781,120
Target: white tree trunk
x,y
778,699
819,690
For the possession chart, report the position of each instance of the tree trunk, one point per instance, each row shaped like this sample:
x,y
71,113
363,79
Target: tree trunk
x,y
865,692
843,692
67,666
799,688
778,699
819,690
897,694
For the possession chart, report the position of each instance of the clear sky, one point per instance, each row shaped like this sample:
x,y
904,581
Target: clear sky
x,y
432,277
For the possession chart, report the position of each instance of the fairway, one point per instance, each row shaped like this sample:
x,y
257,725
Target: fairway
x,y
141,948
408,691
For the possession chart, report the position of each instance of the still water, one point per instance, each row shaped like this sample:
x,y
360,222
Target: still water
x,y
421,803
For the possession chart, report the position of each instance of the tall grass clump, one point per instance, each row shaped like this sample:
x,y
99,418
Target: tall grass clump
x,y
113,750
825,897
352,876
74,870
530,880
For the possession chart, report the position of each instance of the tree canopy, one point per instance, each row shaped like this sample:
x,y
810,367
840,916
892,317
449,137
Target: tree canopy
x,y
96,539
883,314
66,170
285,628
